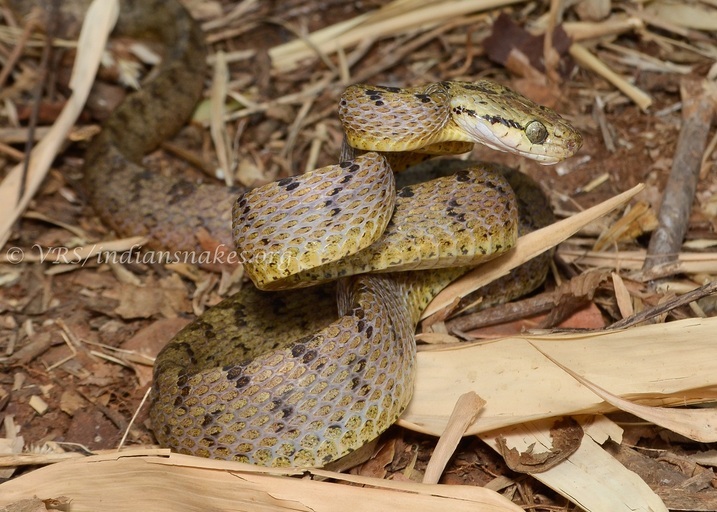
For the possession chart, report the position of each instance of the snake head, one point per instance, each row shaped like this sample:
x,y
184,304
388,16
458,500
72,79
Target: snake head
x,y
498,117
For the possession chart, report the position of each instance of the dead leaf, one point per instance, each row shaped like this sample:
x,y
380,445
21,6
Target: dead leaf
x,y
566,435
697,424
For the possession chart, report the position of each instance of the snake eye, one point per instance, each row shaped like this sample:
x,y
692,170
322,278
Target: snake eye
x,y
536,132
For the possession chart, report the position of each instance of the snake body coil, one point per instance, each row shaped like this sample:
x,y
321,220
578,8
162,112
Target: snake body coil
x,y
303,377
303,397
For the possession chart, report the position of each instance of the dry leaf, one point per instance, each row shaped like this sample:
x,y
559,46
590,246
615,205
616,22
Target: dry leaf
x,y
566,435
697,424
520,384
590,477
179,482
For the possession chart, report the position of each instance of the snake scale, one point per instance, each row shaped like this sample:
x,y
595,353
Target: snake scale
x,y
303,377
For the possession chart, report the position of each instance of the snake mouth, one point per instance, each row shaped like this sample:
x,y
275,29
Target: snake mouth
x,y
559,145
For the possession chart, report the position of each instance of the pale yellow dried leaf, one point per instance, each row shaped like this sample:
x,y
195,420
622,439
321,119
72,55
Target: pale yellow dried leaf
x,y
662,364
587,60
687,263
600,428
614,25
135,481
622,295
683,14
217,128
640,219
391,20
464,414
696,424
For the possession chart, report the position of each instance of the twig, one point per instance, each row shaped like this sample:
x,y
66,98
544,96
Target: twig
x,y
31,25
52,21
463,416
660,309
698,100
504,313
587,60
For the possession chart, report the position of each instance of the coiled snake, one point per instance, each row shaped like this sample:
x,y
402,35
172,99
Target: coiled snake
x,y
305,394
278,378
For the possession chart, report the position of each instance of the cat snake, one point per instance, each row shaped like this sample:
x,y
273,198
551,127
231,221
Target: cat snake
x,y
303,376
308,397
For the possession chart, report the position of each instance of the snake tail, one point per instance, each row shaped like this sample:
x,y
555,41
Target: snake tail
x,y
123,192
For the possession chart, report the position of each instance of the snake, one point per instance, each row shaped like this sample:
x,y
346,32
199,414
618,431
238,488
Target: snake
x,y
318,358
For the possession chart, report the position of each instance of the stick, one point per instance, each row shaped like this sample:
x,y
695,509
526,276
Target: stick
x,y
698,102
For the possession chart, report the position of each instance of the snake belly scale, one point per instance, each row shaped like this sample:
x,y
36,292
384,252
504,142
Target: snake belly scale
x,y
302,377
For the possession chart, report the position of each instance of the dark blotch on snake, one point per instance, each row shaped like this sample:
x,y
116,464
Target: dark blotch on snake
x,y
179,191
292,186
335,191
283,182
510,123
309,356
346,178
479,87
463,176
239,315
298,350
236,374
405,192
